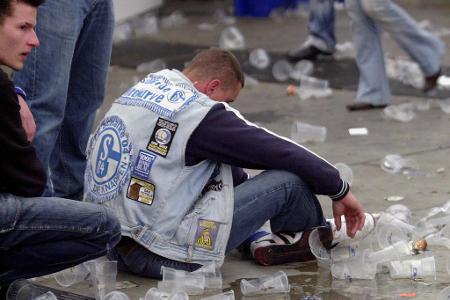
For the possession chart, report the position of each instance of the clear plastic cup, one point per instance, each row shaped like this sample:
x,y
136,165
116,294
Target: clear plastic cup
x,y
302,68
72,275
156,294
394,252
271,284
22,289
313,87
228,295
345,172
390,230
182,281
393,163
103,276
281,70
346,252
259,58
444,294
399,113
400,212
231,39
441,238
303,133
414,268
213,276
353,269
116,295
317,247
425,227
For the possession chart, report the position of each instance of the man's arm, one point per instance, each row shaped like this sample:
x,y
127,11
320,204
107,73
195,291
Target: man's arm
x,y
225,136
27,118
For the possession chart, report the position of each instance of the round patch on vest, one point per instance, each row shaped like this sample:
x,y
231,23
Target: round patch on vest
x,y
109,160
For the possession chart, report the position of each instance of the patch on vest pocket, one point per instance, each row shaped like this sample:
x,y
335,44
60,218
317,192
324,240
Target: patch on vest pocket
x,y
141,191
206,234
143,164
162,137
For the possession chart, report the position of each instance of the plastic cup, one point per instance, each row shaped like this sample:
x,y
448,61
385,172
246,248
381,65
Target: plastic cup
x,y
345,172
228,295
390,230
116,295
213,276
399,113
281,70
413,269
270,284
313,87
303,132
302,68
356,269
231,39
318,249
392,163
401,212
103,276
444,294
259,58
72,275
156,294
22,289
393,252
182,281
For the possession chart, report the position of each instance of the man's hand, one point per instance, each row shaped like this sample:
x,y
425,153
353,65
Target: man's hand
x,y
353,212
27,119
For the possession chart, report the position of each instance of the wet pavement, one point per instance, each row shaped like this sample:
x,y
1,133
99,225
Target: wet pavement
x,y
424,139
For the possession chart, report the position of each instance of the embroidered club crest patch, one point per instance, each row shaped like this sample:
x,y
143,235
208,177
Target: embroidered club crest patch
x,y
109,154
141,191
206,234
162,137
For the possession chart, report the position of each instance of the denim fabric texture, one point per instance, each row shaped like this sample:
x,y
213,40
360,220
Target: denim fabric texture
x,y
278,196
369,18
65,81
321,25
40,236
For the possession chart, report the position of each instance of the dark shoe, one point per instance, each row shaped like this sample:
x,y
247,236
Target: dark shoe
x,y
364,106
307,52
275,249
431,82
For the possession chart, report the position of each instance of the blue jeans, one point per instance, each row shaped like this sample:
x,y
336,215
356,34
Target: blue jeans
x,y
368,18
65,80
278,196
41,236
321,25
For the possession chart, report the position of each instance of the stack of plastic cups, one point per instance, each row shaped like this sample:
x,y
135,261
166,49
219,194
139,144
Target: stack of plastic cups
x,y
318,249
270,284
228,295
71,276
181,281
103,276
23,289
414,268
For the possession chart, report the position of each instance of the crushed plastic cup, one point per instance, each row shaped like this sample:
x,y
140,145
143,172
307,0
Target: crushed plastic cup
x,y
231,39
302,68
182,281
317,247
303,133
103,276
345,172
400,212
22,289
413,268
259,58
271,284
281,70
395,163
399,113
152,66
72,275
228,295
116,295
313,87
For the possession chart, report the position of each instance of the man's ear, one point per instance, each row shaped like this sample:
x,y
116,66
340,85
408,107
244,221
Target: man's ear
x,y
212,86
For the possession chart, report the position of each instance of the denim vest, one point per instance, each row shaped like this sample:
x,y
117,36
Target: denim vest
x,y
136,166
